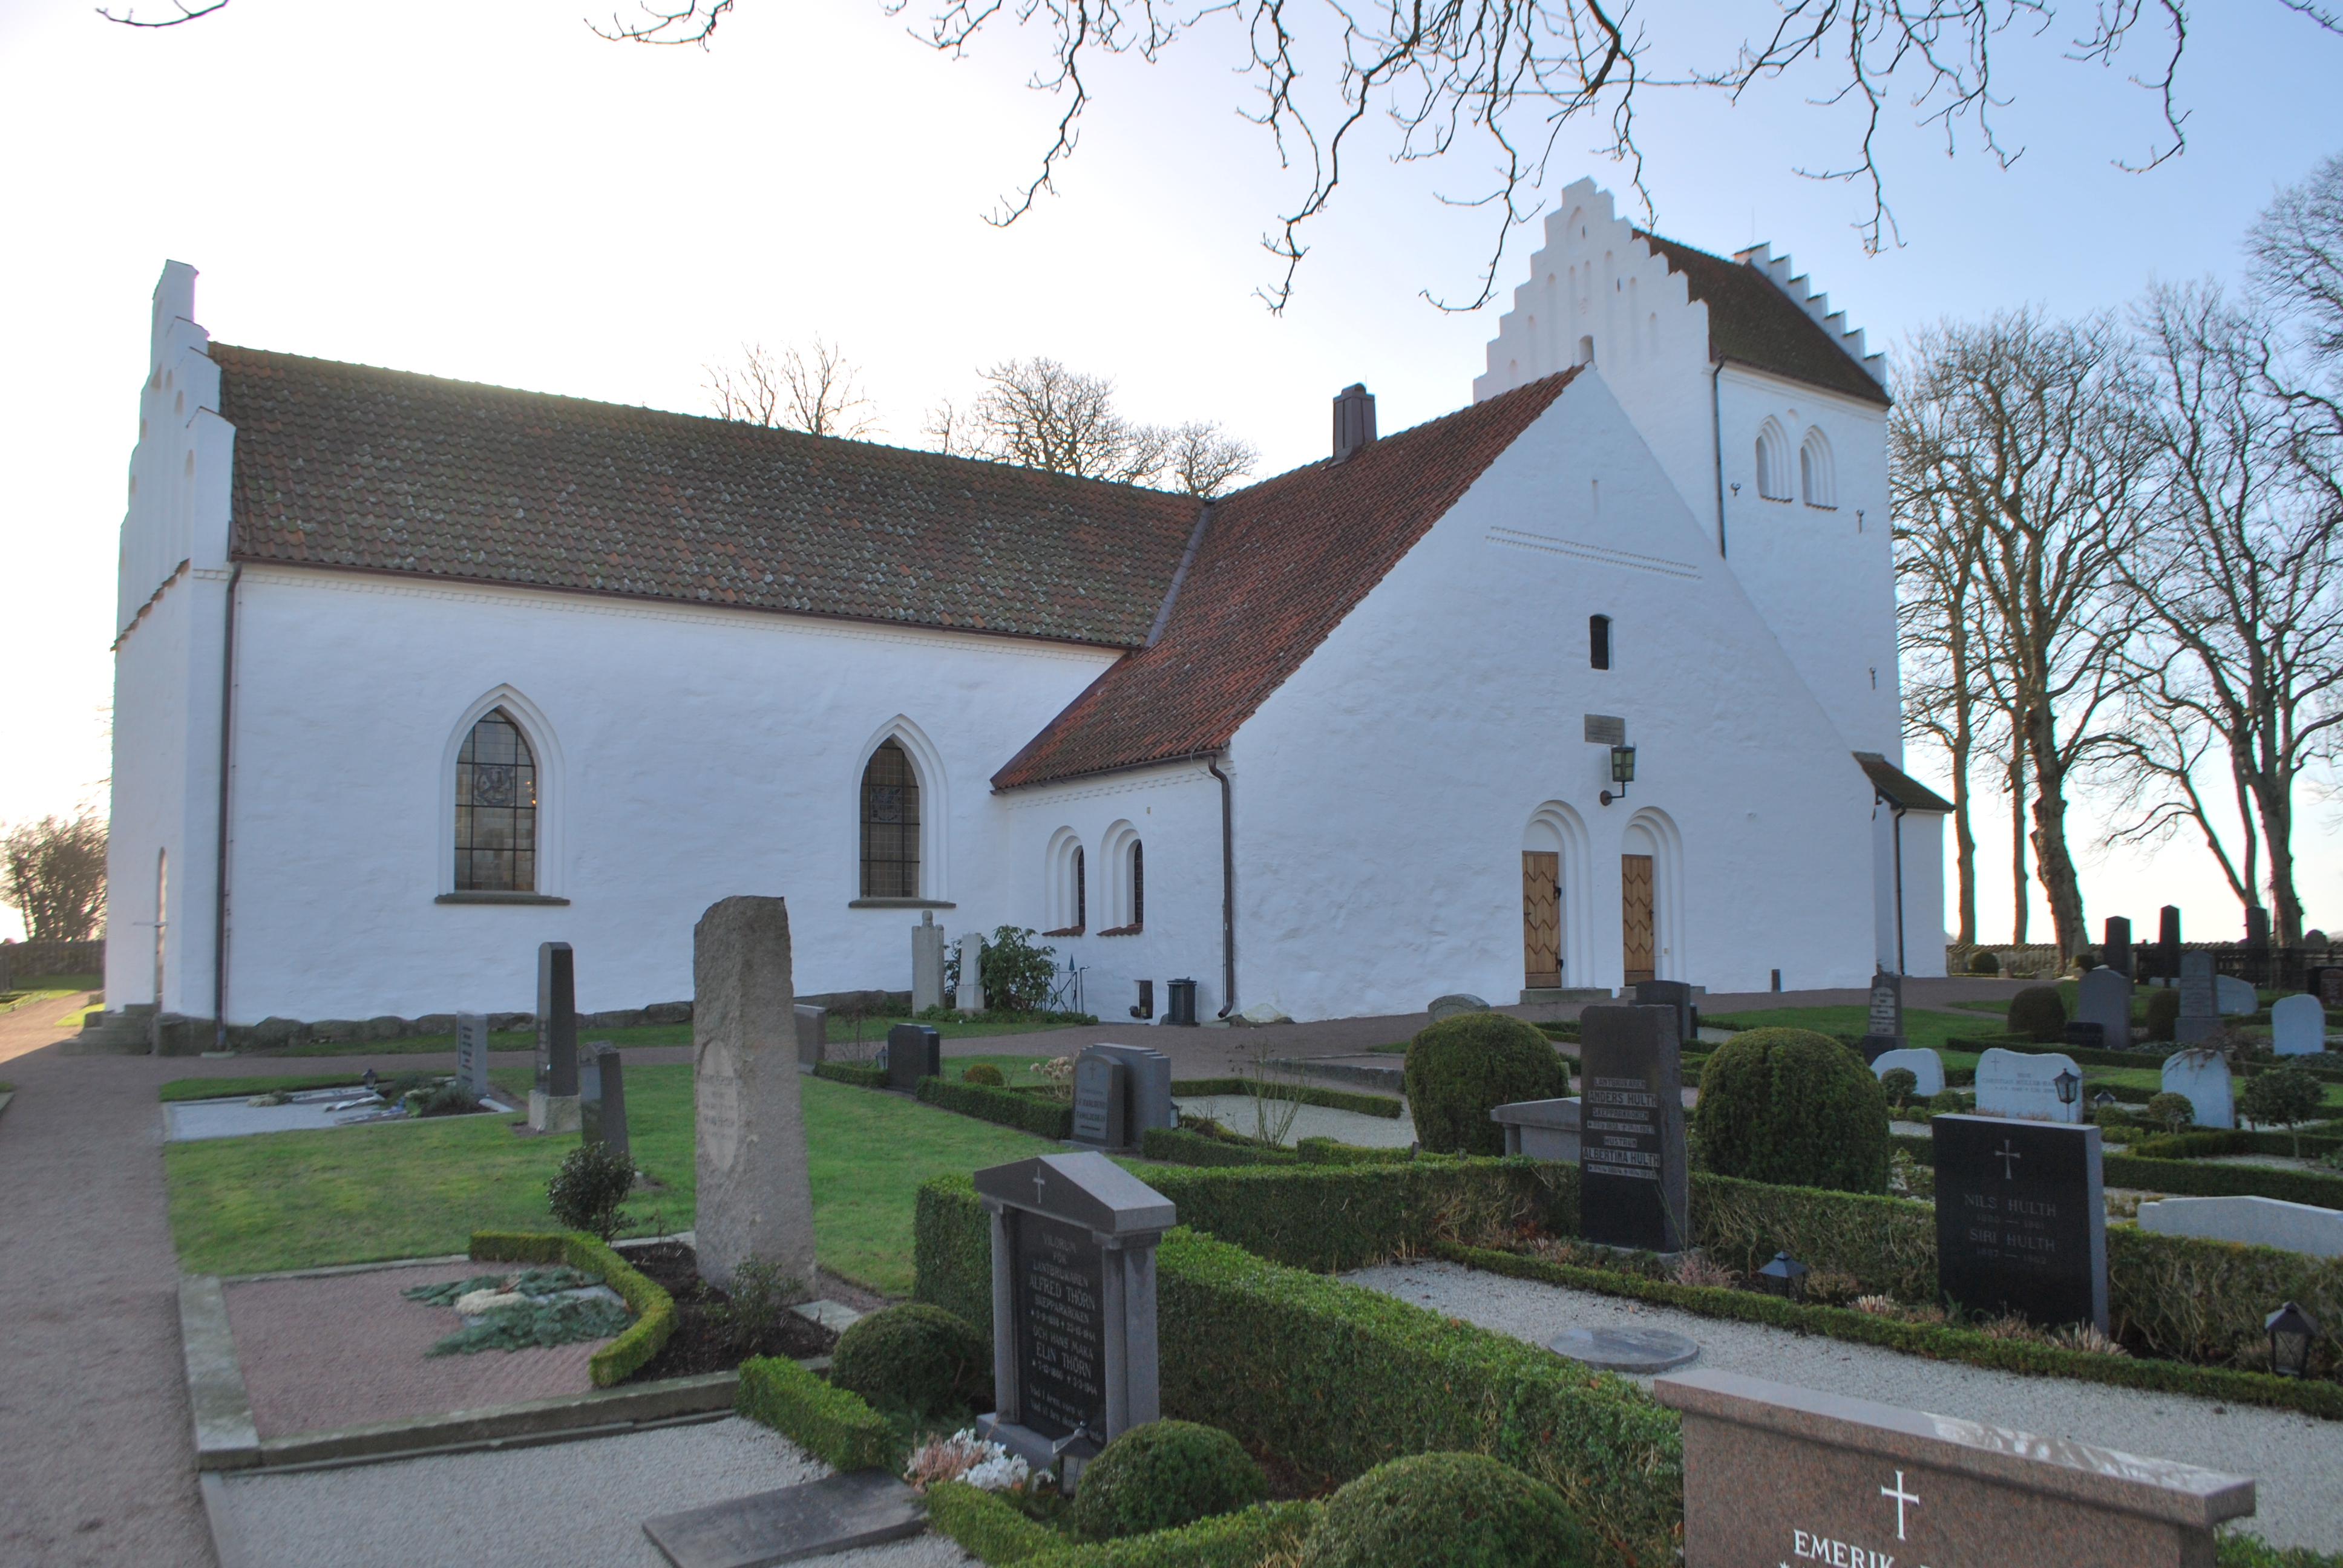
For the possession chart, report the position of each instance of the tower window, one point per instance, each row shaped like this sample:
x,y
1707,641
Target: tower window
x,y
1598,642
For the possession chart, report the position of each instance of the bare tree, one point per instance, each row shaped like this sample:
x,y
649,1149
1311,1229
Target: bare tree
x,y
1037,414
53,873
1204,460
818,395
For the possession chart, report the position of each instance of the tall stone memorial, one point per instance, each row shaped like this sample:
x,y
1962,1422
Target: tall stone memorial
x,y
927,963
2021,1219
970,997
472,1055
2116,951
755,1200
1099,1101
1883,1031
1073,1305
553,1099
2200,1012
1630,1155
1668,994
602,1097
2168,944
2103,997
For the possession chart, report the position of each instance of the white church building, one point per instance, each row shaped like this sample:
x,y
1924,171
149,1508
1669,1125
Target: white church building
x,y
412,675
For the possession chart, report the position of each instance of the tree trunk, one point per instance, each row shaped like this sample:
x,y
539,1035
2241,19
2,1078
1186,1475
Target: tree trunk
x,y
2055,864
2017,894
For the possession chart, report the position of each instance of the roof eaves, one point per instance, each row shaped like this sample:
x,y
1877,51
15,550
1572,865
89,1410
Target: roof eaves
x,y
1899,789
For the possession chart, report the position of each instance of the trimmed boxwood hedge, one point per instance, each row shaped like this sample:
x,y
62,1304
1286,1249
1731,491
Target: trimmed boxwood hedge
x,y
992,1530
1045,1116
850,1072
1181,1147
1464,1066
653,1308
1307,1093
833,1424
2212,1142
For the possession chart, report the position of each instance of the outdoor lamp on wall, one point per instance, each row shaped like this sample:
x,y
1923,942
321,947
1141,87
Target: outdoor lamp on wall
x,y
2069,1086
2291,1330
1785,1276
1622,772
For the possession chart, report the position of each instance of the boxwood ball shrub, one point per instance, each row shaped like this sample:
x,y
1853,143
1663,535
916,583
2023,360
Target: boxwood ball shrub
x,y
1985,961
1795,1109
1163,1476
1462,1068
2036,1013
585,1192
2163,1012
1446,1511
912,1357
984,1072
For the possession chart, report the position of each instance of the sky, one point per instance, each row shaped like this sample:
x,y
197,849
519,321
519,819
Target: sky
x,y
493,192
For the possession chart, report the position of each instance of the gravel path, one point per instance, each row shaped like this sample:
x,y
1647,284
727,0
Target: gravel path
x,y
2296,1461
580,1504
1236,1113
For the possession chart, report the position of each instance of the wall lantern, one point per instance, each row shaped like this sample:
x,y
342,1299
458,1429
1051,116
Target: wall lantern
x,y
2069,1086
1785,1276
1622,772
2291,1330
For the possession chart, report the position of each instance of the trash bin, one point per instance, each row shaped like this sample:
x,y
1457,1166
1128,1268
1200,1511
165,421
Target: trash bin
x,y
1184,1004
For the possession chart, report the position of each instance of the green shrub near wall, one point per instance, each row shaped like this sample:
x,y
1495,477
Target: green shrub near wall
x,y
1334,1151
2211,1143
653,1308
1043,1117
1462,1068
2205,1300
835,1426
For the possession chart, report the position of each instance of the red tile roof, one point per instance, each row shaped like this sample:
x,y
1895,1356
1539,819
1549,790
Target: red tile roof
x,y
1281,564
352,468
1754,322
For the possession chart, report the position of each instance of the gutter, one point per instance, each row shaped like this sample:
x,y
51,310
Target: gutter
x,y
1899,830
1717,435
1228,893
227,754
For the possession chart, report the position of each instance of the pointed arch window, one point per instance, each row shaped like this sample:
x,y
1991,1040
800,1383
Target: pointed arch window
x,y
496,808
1773,463
890,825
1817,481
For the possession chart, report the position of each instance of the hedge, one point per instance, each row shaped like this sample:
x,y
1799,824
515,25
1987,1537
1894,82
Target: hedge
x,y
987,1527
1331,1152
1307,1093
1179,1146
1045,1117
850,1072
833,1424
993,1531
2212,1142
653,1308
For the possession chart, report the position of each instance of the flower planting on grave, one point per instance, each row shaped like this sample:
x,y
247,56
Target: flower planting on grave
x,y
515,1312
653,1308
1462,1068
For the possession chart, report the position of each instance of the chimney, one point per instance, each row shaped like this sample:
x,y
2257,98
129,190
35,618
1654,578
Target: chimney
x,y
1354,419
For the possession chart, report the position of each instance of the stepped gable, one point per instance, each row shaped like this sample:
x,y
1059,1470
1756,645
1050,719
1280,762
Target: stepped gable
x,y
1752,321
354,469
1279,566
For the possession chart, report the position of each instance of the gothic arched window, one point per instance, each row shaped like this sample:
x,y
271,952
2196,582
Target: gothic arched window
x,y
890,825
1772,462
1817,483
496,808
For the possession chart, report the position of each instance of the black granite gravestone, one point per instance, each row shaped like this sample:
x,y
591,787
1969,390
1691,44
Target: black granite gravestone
x,y
2021,1219
1630,1155
1146,1086
2115,953
2257,926
914,1051
1883,1029
557,1020
1668,994
602,1097
2167,943
1061,1345
1100,1102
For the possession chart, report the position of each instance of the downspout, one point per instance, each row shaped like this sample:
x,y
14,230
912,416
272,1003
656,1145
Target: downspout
x,y
1897,829
219,877
1228,893
1716,435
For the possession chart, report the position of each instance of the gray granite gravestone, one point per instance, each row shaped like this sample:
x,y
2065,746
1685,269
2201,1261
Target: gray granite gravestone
x,y
914,1051
472,1055
813,1035
1100,1102
553,1100
1883,1031
2257,926
2103,997
1668,994
1631,1158
2330,987
2021,1219
1146,1086
2202,1077
970,997
1923,1064
2198,1014
2167,943
602,1097
2115,951
2297,1026
754,1199
2252,1221
2024,1084
836,1514
1540,1128
2232,997
1073,1305
1455,1003
927,963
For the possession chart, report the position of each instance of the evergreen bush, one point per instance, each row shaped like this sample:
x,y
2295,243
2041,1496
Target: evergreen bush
x,y
1462,1068
2174,1110
1446,1511
984,1072
2163,1012
585,1192
1898,1084
1945,1100
1162,1476
2037,1013
912,1357
1795,1108
1985,961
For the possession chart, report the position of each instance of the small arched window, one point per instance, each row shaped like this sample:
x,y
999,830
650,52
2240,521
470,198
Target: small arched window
x,y
496,808
1138,884
1586,350
1081,892
890,825
1817,484
1598,642
1772,462
1067,886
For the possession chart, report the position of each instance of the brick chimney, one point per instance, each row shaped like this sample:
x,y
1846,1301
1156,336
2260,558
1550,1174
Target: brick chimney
x,y
1354,419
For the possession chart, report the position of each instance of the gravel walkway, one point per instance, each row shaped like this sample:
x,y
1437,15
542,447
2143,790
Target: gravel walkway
x,y
1236,1113
2296,1461
579,1505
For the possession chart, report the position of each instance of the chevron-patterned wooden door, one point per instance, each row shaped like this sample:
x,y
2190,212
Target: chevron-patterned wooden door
x,y
1541,919
1635,915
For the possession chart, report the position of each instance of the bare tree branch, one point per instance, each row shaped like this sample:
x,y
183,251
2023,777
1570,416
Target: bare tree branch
x,y
819,395
694,24
130,18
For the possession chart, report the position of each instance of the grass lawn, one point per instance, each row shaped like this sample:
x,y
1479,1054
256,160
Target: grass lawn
x,y
1922,1026
840,1032
356,1194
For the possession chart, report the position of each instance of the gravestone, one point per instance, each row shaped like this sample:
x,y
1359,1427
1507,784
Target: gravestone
x,y
1776,1475
1540,1128
914,1051
1073,1305
1455,1003
813,1519
2084,1036
927,963
2297,1026
2330,987
602,1097
2256,926
553,1099
1883,1031
1099,1097
1919,1061
2199,1016
754,1198
2252,1221
2024,1084
2103,997
813,1035
1668,994
472,1055
2204,1077
2232,997
970,997
1631,1158
2021,1219
2167,943
1146,1086
2115,951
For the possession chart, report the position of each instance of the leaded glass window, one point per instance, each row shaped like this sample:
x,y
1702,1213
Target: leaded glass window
x,y
496,808
1138,883
890,825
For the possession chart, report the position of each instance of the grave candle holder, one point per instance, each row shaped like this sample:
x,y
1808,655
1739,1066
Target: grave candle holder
x,y
1785,1277
2067,1085
2291,1331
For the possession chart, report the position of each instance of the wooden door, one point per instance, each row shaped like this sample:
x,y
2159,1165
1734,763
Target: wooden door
x,y
1541,919
1635,915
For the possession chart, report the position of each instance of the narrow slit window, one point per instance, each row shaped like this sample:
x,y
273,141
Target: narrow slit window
x,y
1082,893
1598,641
890,825
496,808
1138,883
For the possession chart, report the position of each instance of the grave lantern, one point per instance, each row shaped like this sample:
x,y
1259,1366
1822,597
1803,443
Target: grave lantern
x,y
2104,1098
2068,1085
2291,1330
1785,1276
1622,772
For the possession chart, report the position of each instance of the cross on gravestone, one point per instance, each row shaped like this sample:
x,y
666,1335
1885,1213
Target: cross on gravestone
x,y
2103,997
754,1199
1631,1156
602,1097
914,1051
970,997
2297,1026
472,1054
553,1100
2021,1219
2202,1077
1073,1305
1099,1102
2116,951
1146,1086
2024,1084
1883,1030
927,963
2199,1014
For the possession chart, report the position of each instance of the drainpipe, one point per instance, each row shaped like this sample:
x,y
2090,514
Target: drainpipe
x,y
219,878
1228,894
1716,435
1897,829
